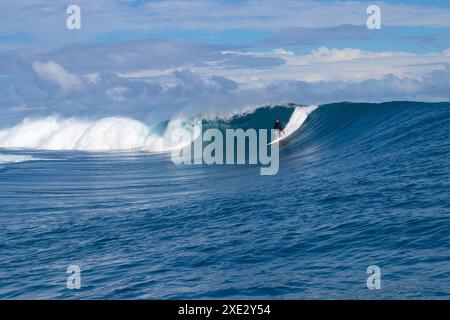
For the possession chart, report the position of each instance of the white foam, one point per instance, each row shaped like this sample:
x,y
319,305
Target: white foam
x,y
112,133
10,158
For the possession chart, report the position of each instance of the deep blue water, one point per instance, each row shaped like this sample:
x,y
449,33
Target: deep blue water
x,y
359,184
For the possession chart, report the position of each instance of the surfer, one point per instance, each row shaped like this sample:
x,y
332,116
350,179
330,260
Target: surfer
x,y
278,126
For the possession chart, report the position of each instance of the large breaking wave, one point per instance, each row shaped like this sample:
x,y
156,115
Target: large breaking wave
x,y
310,128
107,134
122,134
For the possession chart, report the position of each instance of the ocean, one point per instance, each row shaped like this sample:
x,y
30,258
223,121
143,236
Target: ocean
x,y
358,185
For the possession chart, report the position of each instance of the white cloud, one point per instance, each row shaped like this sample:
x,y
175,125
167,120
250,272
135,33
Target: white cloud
x,y
329,64
44,20
236,80
282,53
92,77
19,108
54,73
117,94
324,54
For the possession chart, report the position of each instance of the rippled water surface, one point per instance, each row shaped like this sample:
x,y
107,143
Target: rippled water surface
x,y
359,184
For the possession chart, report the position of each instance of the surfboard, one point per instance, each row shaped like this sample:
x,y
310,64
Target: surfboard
x,y
279,138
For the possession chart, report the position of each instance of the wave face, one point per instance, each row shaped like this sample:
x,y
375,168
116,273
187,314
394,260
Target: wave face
x,y
292,116
357,130
359,184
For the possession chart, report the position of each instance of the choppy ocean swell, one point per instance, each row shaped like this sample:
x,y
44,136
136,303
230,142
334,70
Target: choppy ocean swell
x,y
359,184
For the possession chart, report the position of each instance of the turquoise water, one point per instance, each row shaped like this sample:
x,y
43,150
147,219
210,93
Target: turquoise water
x,y
359,184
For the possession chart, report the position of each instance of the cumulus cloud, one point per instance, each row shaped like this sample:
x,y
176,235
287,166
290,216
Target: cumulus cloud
x,y
54,73
154,80
332,64
193,93
333,55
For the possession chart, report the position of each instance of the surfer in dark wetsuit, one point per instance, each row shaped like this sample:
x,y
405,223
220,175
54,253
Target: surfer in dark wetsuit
x,y
278,126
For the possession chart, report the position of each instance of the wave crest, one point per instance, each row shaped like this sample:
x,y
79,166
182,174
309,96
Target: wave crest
x,y
126,134
107,134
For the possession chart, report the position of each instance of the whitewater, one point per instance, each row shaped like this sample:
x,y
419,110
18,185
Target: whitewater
x,y
109,134
10,158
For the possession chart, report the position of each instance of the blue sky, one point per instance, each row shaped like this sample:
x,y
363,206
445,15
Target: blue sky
x,y
154,59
